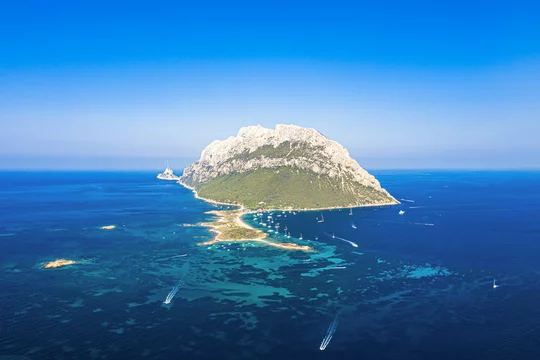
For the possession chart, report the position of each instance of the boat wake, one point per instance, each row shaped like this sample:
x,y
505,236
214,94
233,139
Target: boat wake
x,y
331,330
407,200
172,293
342,239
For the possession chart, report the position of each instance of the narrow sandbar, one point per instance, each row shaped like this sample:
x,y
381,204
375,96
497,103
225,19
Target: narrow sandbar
x,y
229,227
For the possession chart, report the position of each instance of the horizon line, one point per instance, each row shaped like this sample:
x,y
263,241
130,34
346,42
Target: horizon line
x,y
148,170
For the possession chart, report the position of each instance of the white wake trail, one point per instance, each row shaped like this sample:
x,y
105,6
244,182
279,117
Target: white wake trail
x,y
342,239
331,330
172,293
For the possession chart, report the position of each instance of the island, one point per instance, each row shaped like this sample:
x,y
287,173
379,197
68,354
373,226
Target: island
x,y
168,174
286,168
58,263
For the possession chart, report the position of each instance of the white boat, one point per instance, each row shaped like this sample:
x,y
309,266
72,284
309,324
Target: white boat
x,y
401,212
288,235
494,284
353,226
168,174
333,236
322,218
301,236
350,212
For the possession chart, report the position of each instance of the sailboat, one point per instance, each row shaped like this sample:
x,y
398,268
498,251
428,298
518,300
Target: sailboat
x,y
494,284
350,212
322,218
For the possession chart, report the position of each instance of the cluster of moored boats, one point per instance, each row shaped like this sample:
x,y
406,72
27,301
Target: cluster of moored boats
x,y
271,221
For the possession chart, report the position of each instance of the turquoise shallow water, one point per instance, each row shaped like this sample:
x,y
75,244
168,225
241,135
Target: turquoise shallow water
x,y
417,286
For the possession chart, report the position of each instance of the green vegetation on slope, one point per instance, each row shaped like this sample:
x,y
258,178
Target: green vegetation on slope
x,y
287,187
238,233
283,150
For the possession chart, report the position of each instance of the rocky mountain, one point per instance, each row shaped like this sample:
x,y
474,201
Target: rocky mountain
x,y
287,168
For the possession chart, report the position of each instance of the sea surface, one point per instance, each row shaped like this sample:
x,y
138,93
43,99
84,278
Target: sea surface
x,y
416,286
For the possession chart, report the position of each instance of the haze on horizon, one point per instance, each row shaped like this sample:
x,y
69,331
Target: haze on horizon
x,y
401,85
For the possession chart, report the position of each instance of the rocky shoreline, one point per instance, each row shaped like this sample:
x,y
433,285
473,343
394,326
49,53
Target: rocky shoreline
x,y
248,211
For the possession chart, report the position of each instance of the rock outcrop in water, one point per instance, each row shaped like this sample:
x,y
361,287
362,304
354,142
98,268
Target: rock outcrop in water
x,y
287,168
58,263
168,174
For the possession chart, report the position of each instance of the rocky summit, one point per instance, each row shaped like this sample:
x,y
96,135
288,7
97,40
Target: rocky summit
x,y
290,167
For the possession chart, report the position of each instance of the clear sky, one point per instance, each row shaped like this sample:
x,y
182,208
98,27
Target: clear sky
x,y
401,84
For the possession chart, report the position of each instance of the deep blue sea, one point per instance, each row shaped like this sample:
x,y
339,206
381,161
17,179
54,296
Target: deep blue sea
x,y
419,285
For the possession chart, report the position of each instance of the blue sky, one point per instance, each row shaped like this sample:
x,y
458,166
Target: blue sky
x,y
400,84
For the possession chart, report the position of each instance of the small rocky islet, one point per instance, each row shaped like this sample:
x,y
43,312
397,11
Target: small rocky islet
x,y
58,263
